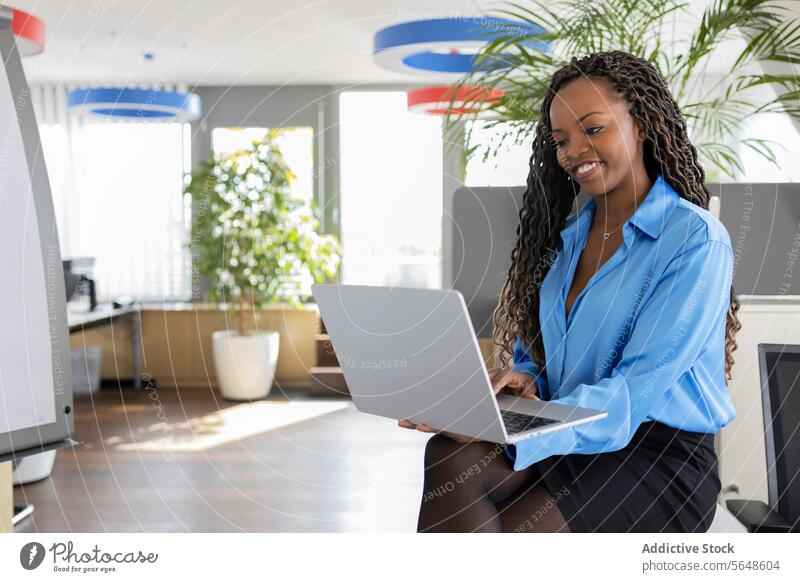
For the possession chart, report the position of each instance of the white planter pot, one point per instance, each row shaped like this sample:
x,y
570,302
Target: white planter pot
x,y
245,364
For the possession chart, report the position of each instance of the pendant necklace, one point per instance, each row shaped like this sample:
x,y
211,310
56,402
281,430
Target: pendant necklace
x,y
608,234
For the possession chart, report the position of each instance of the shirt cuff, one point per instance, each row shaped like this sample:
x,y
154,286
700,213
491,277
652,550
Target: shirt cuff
x,y
533,450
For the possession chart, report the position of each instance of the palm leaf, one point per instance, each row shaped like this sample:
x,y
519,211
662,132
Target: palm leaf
x,y
578,27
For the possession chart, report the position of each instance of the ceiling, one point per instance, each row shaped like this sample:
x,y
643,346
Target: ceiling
x,y
216,42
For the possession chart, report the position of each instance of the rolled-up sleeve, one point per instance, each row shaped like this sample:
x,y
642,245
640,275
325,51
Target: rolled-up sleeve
x,y
686,310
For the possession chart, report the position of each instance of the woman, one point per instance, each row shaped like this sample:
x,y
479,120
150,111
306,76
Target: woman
x,y
626,306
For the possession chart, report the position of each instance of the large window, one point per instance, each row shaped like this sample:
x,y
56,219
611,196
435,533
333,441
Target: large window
x,y
391,198
504,166
117,189
296,145
776,127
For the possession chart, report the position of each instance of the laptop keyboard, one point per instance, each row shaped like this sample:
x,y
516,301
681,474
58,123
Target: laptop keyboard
x,y
516,422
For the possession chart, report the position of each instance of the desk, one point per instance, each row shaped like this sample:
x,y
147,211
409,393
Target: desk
x,y
105,314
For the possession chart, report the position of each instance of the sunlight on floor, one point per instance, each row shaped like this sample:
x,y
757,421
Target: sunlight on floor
x,y
223,426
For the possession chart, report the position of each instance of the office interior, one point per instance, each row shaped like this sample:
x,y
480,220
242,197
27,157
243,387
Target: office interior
x,y
389,199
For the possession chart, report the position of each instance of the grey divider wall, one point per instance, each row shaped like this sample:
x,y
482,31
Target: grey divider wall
x,y
763,221
484,222
482,235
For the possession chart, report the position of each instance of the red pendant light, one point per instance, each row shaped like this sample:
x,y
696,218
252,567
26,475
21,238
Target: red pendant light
x,y
29,32
462,100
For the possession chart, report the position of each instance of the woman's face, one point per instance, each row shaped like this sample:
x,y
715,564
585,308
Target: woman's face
x,y
597,141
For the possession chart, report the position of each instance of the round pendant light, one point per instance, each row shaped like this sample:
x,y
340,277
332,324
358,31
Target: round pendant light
x,y
462,100
143,104
29,32
447,46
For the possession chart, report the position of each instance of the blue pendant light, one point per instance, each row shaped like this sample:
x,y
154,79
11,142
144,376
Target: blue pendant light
x,y
447,46
143,104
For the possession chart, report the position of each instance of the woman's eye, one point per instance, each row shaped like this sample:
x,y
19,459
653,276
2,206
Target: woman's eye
x,y
591,131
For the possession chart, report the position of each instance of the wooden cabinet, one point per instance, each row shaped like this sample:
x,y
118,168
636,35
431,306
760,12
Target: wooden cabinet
x,y
6,498
176,343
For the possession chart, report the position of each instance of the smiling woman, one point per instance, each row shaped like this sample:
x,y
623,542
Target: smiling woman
x,y
600,149
636,316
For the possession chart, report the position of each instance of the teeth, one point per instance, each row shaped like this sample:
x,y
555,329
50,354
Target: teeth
x,y
583,168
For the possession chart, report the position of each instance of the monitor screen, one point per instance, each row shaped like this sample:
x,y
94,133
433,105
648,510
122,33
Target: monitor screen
x,y
782,419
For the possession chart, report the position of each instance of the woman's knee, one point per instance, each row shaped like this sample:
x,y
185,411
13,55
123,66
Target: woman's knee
x,y
446,458
438,450
443,452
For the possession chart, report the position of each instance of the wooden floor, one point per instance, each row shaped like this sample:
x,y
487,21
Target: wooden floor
x,y
187,461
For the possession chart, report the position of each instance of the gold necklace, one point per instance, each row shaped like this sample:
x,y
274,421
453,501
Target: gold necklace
x,y
608,234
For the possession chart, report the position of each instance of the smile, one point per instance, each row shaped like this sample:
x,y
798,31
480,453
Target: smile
x,y
586,170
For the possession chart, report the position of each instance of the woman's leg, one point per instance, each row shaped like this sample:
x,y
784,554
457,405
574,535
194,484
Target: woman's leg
x,y
532,509
474,488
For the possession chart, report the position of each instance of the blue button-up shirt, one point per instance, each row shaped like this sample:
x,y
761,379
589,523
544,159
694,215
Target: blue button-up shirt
x,y
645,338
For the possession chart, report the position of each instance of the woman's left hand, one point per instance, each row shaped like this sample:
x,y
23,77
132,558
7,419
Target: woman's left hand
x,y
459,438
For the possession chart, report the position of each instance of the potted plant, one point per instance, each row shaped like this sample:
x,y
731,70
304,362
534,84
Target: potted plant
x,y
750,45
256,245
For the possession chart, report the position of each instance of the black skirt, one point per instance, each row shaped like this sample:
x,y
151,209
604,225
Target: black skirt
x,y
664,480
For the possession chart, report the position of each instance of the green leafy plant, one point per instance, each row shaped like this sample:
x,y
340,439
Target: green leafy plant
x,y
253,240
756,41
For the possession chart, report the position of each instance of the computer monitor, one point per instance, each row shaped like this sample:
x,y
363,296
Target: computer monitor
x,y
78,279
780,394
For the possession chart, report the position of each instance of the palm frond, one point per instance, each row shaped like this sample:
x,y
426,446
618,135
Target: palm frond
x,y
722,156
714,108
763,147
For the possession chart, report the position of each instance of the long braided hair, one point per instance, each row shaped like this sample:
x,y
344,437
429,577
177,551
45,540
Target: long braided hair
x,y
550,193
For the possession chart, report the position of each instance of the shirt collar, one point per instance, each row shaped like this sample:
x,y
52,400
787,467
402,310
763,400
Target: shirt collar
x,y
650,217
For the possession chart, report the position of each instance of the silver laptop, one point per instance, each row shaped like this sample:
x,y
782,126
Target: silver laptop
x,y
412,353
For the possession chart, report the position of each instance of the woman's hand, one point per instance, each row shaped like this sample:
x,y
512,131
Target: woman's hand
x,y
503,379
459,438
519,384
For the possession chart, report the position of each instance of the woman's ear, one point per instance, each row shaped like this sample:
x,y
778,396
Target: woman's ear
x,y
641,134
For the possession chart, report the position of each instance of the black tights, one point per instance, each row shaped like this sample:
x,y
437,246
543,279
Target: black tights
x,y
474,488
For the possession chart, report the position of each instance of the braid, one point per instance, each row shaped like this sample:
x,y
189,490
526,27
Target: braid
x,y
550,193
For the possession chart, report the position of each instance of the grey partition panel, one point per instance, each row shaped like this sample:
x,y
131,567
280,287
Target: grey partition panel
x,y
483,235
43,344
482,238
763,221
